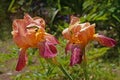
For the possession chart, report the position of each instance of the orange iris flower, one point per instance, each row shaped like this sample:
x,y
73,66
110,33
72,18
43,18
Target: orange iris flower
x,y
78,36
30,32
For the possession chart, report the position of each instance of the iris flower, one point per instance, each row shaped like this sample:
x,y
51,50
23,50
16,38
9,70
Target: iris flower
x,y
79,35
30,33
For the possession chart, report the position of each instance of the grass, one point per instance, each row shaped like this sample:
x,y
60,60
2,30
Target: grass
x,y
98,67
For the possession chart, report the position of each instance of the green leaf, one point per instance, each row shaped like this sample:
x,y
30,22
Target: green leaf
x,y
114,16
11,5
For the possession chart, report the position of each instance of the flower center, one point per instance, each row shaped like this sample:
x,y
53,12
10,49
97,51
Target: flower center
x,y
40,33
75,39
35,34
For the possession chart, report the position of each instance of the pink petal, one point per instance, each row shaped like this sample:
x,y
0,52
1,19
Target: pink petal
x,y
53,48
68,47
22,61
76,57
41,47
51,39
47,50
105,41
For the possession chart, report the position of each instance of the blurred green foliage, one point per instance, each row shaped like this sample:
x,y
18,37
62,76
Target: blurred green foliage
x,y
98,68
5,22
105,14
57,14
103,63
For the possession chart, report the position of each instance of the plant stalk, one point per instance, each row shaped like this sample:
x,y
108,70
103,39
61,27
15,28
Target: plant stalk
x,y
54,61
84,66
65,72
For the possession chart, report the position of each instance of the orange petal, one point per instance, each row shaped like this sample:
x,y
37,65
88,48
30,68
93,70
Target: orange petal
x,y
89,31
27,18
39,21
22,61
19,26
66,33
74,20
76,28
34,35
20,41
105,41
82,36
19,32
83,25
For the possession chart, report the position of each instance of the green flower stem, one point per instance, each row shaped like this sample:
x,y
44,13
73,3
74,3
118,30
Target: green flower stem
x,y
85,70
55,62
65,72
84,66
